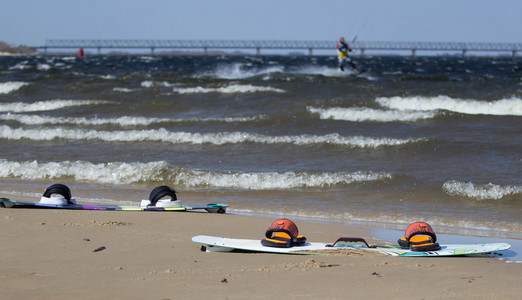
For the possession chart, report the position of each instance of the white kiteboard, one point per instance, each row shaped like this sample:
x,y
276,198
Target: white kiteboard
x,y
221,244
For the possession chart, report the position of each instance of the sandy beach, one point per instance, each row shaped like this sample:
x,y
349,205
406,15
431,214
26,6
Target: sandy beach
x,y
64,254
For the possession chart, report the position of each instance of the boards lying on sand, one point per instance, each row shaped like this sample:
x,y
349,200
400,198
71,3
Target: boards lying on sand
x,y
58,196
221,244
213,208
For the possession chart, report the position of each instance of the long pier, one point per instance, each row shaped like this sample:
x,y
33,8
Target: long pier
x,y
361,46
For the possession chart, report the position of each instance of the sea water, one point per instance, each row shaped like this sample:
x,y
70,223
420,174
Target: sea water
x,y
433,139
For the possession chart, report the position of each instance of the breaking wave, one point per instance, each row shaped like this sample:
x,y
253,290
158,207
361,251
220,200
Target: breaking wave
x,y
369,114
480,192
221,138
150,84
239,71
11,86
161,171
46,105
504,107
231,89
121,121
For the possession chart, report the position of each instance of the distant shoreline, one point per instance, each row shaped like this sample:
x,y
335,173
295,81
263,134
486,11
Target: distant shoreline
x,y
9,50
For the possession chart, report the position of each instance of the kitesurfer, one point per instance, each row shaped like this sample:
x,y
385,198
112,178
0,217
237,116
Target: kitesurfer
x,y
343,49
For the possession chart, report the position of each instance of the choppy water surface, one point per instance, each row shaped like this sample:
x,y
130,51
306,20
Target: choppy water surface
x,y
437,139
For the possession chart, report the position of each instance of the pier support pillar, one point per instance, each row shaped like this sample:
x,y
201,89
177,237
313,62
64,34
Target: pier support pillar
x,y
464,52
152,51
258,51
413,52
310,52
514,53
362,52
99,50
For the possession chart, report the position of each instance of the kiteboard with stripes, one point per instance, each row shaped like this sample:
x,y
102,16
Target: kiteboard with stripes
x,y
212,208
222,244
162,198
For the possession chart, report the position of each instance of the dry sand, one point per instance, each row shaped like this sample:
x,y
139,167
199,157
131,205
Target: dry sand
x,y
50,254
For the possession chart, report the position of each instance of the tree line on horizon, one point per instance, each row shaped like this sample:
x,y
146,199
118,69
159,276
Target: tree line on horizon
x,y
6,48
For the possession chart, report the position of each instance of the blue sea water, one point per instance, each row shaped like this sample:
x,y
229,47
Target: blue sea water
x,y
434,139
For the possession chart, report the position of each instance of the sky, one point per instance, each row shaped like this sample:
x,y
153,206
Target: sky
x,y
31,22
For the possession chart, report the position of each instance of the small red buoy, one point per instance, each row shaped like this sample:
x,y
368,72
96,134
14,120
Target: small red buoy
x,y
80,53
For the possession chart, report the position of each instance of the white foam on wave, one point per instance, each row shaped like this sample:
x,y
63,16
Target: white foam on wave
x,y
128,173
11,86
230,89
21,66
123,90
113,173
220,138
276,180
107,77
324,71
149,58
46,105
151,84
237,71
43,67
362,114
121,121
505,107
480,191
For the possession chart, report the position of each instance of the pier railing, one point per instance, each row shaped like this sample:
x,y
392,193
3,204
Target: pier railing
x,y
362,46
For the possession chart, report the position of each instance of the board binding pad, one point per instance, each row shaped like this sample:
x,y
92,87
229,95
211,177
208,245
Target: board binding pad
x,y
58,196
222,244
